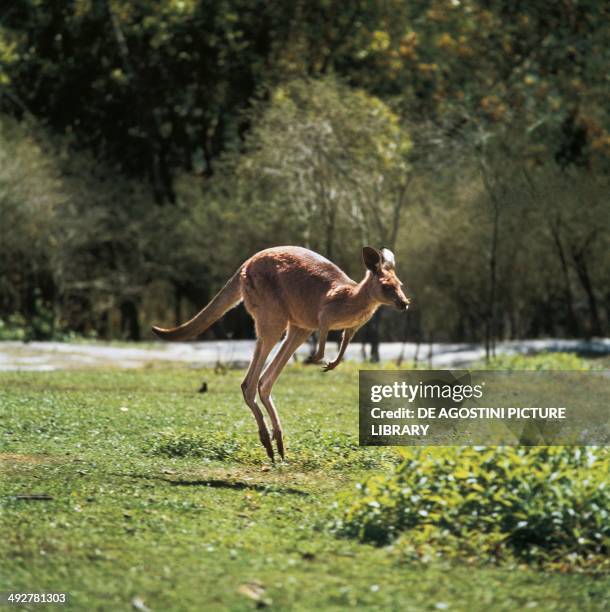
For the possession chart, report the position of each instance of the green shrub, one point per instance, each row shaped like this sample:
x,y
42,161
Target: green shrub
x,y
42,326
541,361
13,328
540,504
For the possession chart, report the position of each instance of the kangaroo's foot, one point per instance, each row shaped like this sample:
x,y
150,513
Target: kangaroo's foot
x,y
265,439
277,436
317,358
330,365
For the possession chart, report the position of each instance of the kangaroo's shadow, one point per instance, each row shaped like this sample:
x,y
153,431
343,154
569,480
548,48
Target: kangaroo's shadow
x,y
220,483
238,485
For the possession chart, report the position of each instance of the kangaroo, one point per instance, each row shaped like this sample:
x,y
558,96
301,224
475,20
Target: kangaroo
x,y
295,290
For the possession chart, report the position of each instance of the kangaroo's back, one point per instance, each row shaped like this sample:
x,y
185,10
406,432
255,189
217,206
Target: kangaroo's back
x,y
294,280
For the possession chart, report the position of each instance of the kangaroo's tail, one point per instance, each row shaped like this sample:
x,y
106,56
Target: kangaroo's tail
x,y
228,297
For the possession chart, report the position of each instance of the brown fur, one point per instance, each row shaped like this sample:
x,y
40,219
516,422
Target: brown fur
x,y
295,290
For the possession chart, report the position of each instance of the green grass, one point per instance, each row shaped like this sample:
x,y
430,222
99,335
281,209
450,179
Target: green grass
x,y
162,493
541,361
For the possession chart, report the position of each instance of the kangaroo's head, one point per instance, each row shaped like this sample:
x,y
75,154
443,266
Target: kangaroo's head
x,y
385,285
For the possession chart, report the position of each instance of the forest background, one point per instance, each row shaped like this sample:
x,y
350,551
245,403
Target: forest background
x,y
148,148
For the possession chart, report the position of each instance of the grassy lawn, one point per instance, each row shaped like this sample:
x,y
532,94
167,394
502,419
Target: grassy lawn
x,y
128,513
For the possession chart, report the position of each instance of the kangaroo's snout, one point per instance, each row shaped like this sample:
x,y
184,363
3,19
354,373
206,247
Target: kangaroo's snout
x,y
402,304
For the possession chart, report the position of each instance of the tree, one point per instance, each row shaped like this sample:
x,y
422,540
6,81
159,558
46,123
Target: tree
x,y
333,158
327,155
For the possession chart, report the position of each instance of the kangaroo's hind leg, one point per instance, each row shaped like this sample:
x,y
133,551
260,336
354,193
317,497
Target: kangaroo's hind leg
x,y
295,337
268,336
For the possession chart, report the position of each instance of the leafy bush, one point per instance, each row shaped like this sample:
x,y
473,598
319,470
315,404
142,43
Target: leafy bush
x,y
541,361
13,328
41,326
540,504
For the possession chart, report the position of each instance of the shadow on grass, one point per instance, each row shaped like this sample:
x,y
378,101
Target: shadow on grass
x,y
221,483
238,485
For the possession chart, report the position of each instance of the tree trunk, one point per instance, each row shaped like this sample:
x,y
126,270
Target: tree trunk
x,y
573,328
177,306
373,336
580,263
490,323
130,325
330,230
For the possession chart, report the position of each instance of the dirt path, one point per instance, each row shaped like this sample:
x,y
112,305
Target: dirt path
x,y
45,356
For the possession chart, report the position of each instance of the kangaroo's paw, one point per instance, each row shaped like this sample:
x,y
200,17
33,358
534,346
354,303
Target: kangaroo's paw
x,y
263,435
330,366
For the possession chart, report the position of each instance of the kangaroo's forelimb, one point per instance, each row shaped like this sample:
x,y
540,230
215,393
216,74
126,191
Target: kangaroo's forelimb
x,y
319,355
348,334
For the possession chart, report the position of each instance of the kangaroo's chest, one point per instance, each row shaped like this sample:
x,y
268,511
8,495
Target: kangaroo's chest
x,y
347,318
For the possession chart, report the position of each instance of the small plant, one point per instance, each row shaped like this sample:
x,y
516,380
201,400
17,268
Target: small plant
x,y
542,504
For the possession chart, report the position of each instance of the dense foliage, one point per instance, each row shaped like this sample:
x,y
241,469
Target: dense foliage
x,y
147,148
541,504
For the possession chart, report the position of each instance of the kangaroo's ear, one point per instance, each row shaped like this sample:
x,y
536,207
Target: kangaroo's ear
x,y
372,259
388,259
